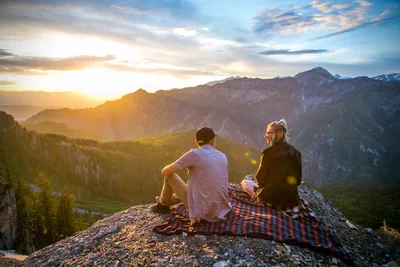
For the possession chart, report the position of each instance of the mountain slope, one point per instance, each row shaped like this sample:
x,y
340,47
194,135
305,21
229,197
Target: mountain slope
x,y
23,112
330,120
58,128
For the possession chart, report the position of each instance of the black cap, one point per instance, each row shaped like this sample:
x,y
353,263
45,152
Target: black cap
x,y
204,135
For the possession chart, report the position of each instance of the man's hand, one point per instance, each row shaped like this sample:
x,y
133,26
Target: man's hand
x,y
169,169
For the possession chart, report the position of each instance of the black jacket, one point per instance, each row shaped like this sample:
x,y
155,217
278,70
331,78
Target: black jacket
x,y
279,175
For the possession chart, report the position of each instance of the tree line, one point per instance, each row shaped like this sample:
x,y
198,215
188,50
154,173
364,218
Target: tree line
x,y
44,216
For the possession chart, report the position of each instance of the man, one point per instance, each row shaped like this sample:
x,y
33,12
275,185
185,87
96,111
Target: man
x,y
206,193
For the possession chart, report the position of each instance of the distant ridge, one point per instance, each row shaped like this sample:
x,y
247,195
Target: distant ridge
x,y
23,112
337,76
317,74
222,81
393,77
334,122
70,99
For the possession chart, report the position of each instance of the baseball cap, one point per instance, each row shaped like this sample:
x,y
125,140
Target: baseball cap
x,y
204,135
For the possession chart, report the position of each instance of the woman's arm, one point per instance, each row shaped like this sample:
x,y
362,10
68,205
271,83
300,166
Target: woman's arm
x,y
261,174
299,168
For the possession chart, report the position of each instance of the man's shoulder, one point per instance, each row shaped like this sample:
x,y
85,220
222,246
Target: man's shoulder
x,y
218,151
193,151
214,151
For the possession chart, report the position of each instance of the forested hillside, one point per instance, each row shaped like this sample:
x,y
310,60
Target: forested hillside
x,y
59,128
127,172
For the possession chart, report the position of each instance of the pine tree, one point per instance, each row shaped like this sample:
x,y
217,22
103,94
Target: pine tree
x,y
25,206
8,175
46,212
65,213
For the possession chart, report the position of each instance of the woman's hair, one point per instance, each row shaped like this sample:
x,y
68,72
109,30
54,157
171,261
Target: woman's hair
x,y
280,130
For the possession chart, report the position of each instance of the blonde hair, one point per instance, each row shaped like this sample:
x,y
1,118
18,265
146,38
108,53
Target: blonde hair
x,y
280,130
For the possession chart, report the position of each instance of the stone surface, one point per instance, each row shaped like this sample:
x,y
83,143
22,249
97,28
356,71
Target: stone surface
x,y
126,239
369,230
350,225
8,216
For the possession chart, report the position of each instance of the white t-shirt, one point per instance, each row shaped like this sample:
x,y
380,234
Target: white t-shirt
x,y
208,196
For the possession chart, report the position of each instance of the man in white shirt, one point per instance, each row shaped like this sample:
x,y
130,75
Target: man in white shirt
x,y
206,193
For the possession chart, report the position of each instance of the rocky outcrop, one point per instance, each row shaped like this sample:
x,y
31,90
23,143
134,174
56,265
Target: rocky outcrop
x,y
8,215
126,239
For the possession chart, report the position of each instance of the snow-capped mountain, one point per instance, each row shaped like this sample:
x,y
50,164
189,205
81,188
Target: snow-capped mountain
x,y
337,76
393,77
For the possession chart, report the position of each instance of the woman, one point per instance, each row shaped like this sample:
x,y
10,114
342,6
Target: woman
x,y
279,172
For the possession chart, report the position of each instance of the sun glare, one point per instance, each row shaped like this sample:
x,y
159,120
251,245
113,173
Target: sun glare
x,y
99,83
62,45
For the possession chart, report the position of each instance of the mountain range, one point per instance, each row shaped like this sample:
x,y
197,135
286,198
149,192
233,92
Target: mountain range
x,y
71,99
346,129
23,112
24,104
393,77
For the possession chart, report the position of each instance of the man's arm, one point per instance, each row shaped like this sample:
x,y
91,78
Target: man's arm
x,y
169,169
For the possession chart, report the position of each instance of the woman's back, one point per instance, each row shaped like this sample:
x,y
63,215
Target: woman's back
x,y
279,175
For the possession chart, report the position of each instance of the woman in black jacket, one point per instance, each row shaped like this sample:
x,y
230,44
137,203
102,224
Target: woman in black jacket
x,y
279,172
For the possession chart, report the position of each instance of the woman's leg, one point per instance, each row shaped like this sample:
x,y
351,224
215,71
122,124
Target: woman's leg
x,y
248,187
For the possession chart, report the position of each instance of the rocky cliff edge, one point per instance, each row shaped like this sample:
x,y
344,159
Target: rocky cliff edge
x,y
126,239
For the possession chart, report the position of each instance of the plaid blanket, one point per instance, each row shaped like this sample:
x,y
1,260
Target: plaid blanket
x,y
251,219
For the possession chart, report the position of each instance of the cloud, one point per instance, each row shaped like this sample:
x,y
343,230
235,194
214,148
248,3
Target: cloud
x,y
133,10
296,52
29,21
173,70
4,53
177,8
328,8
7,83
22,65
185,31
318,15
241,40
366,24
11,63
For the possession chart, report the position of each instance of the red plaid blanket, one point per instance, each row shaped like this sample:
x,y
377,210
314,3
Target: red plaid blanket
x,y
251,219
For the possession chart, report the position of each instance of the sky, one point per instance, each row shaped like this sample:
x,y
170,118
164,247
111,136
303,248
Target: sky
x,y
110,48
